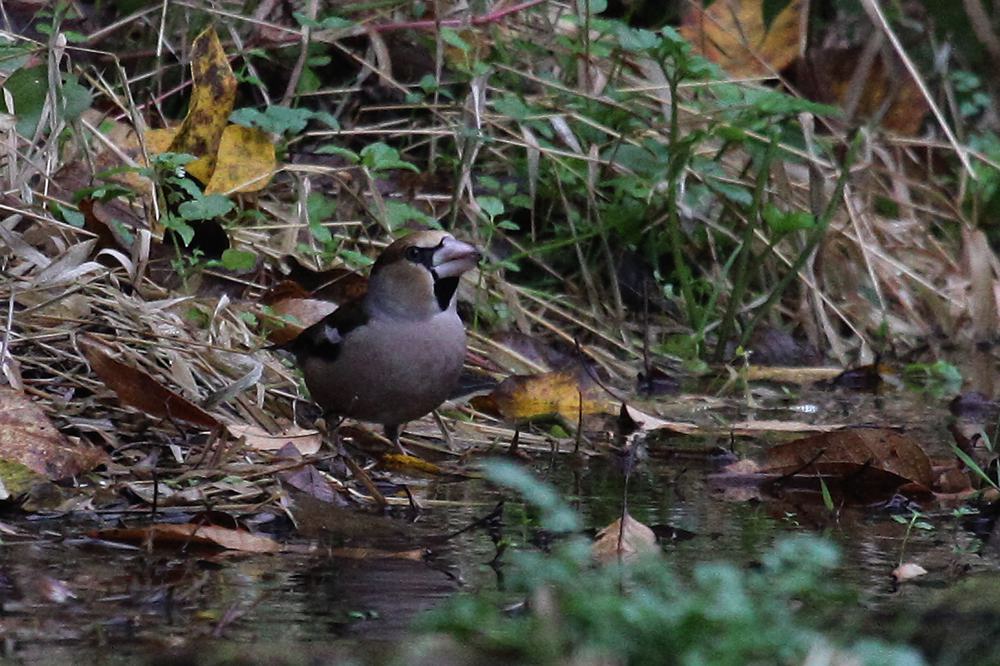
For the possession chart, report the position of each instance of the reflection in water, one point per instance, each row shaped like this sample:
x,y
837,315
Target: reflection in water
x,y
141,603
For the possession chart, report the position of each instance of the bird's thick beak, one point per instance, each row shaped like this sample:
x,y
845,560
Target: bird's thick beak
x,y
454,258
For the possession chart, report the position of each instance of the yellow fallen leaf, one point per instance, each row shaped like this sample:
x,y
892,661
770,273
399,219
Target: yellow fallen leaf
x,y
212,99
245,162
405,463
732,33
560,393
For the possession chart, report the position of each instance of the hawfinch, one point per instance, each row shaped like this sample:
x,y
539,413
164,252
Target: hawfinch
x,y
396,353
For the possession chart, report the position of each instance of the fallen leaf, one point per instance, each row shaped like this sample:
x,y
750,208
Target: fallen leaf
x,y
245,161
849,453
616,543
307,442
212,97
648,422
308,480
908,571
892,97
531,397
338,285
790,375
29,439
188,533
732,33
415,555
291,316
138,390
405,463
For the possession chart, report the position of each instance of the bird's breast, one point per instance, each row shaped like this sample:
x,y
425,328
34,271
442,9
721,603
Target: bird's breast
x,y
390,371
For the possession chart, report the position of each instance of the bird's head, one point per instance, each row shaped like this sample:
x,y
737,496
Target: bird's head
x,y
417,275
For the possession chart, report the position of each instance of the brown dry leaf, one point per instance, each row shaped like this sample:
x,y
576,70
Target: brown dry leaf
x,y
338,285
189,533
415,555
908,571
307,442
28,438
245,161
791,375
138,390
308,480
617,543
831,76
560,393
212,98
732,34
847,453
648,422
99,218
304,312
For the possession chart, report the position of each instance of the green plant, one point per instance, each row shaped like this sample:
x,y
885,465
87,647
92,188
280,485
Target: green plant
x,y
685,185
939,379
916,520
645,613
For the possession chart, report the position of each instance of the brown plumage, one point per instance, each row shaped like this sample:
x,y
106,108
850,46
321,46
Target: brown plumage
x,y
395,354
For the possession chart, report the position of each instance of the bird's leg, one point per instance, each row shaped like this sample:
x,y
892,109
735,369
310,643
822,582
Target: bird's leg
x,y
392,434
333,436
444,430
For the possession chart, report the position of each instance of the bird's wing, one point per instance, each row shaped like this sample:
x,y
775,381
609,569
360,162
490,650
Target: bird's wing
x,y
324,338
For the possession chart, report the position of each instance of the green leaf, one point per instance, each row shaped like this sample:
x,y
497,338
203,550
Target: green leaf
x,y
319,208
556,515
399,213
355,259
239,260
69,215
205,208
305,21
276,119
735,193
379,156
327,119
780,222
491,206
770,9
180,227
336,23
973,465
13,55
593,6
29,87
309,82
76,98
512,107
331,149
637,39
449,36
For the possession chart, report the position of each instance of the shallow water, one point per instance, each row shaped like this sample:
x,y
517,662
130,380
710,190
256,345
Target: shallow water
x,y
129,604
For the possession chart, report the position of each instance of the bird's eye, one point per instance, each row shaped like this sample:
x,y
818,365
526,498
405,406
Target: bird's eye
x,y
413,253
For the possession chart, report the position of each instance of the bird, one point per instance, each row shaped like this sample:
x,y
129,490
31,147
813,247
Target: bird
x,y
396,353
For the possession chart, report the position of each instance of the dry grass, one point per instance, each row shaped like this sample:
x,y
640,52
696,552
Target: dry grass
x,y
870,268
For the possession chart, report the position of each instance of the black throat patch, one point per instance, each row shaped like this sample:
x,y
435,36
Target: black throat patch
x,y
444,289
